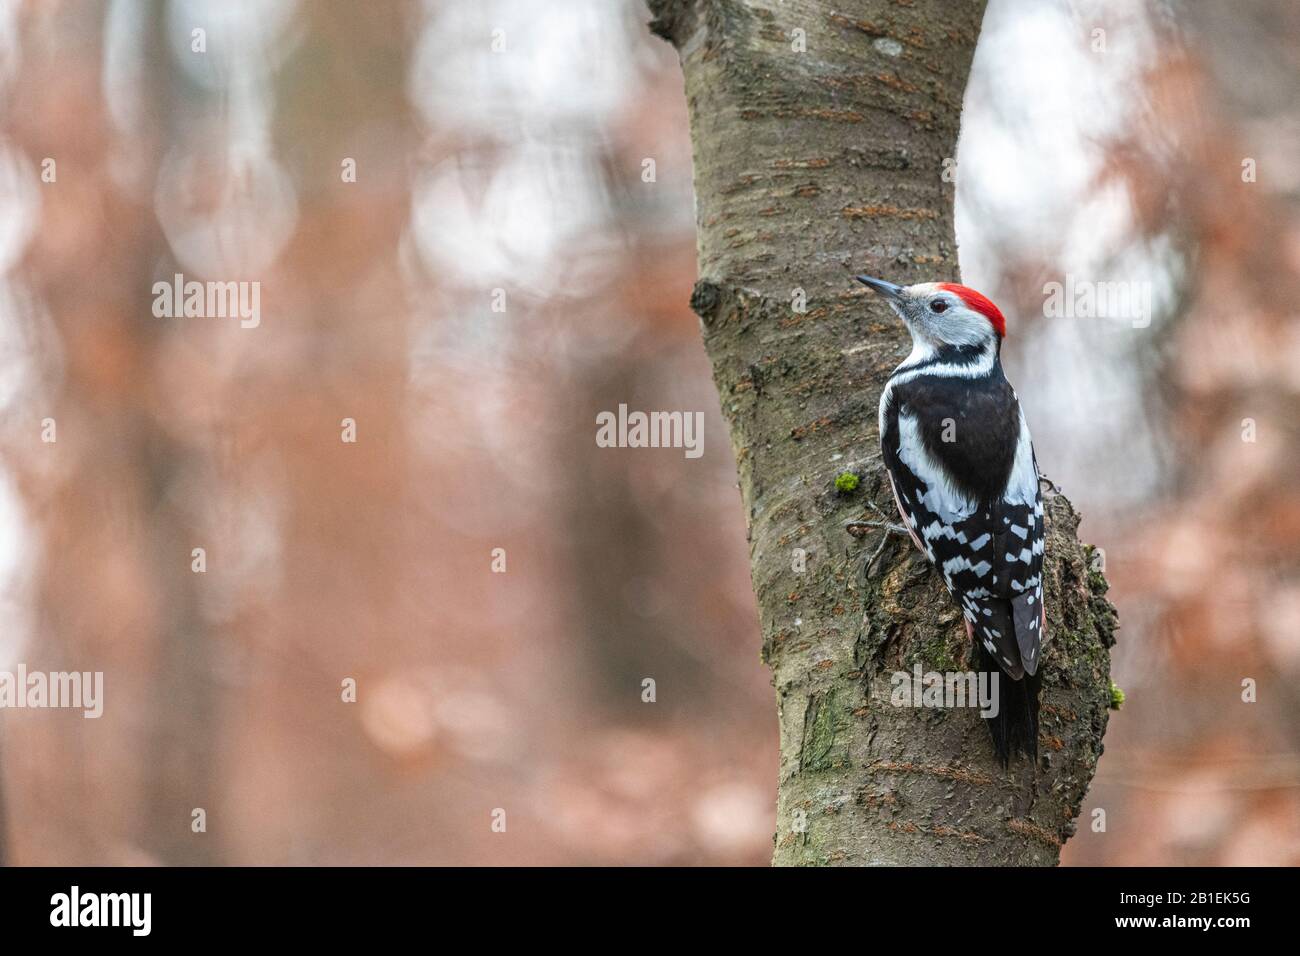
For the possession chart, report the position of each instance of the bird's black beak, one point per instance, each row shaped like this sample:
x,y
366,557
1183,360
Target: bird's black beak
x,y
887,289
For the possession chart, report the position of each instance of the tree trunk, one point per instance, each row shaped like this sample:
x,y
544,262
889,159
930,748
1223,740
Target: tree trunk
x,y
820,133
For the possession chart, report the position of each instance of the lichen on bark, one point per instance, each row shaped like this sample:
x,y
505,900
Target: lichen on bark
x,y
820,135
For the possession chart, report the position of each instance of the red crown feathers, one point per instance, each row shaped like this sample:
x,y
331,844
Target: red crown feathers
x,y
980,303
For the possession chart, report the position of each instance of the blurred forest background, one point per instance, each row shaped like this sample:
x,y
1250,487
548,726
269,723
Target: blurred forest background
x,y
498,147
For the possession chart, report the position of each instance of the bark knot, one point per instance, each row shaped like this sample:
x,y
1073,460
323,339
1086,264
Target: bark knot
x,y
706,297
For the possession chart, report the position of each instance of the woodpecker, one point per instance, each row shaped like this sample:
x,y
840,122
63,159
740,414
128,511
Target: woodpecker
x,y
961,465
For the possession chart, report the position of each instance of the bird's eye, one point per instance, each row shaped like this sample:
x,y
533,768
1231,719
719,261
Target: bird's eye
x,y
938,305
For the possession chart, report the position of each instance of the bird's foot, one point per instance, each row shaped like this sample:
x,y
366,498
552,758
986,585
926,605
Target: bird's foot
x,y
859,528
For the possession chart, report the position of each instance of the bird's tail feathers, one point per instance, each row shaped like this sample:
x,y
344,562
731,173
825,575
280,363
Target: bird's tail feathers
x,y
1014,726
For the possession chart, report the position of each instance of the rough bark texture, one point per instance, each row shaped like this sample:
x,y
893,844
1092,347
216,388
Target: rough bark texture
x,y
810,166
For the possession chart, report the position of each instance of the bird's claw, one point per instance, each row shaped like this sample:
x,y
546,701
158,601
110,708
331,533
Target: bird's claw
x,y
859,528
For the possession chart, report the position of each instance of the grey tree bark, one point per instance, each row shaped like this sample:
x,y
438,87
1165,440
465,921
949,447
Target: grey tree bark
x,y
820,132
